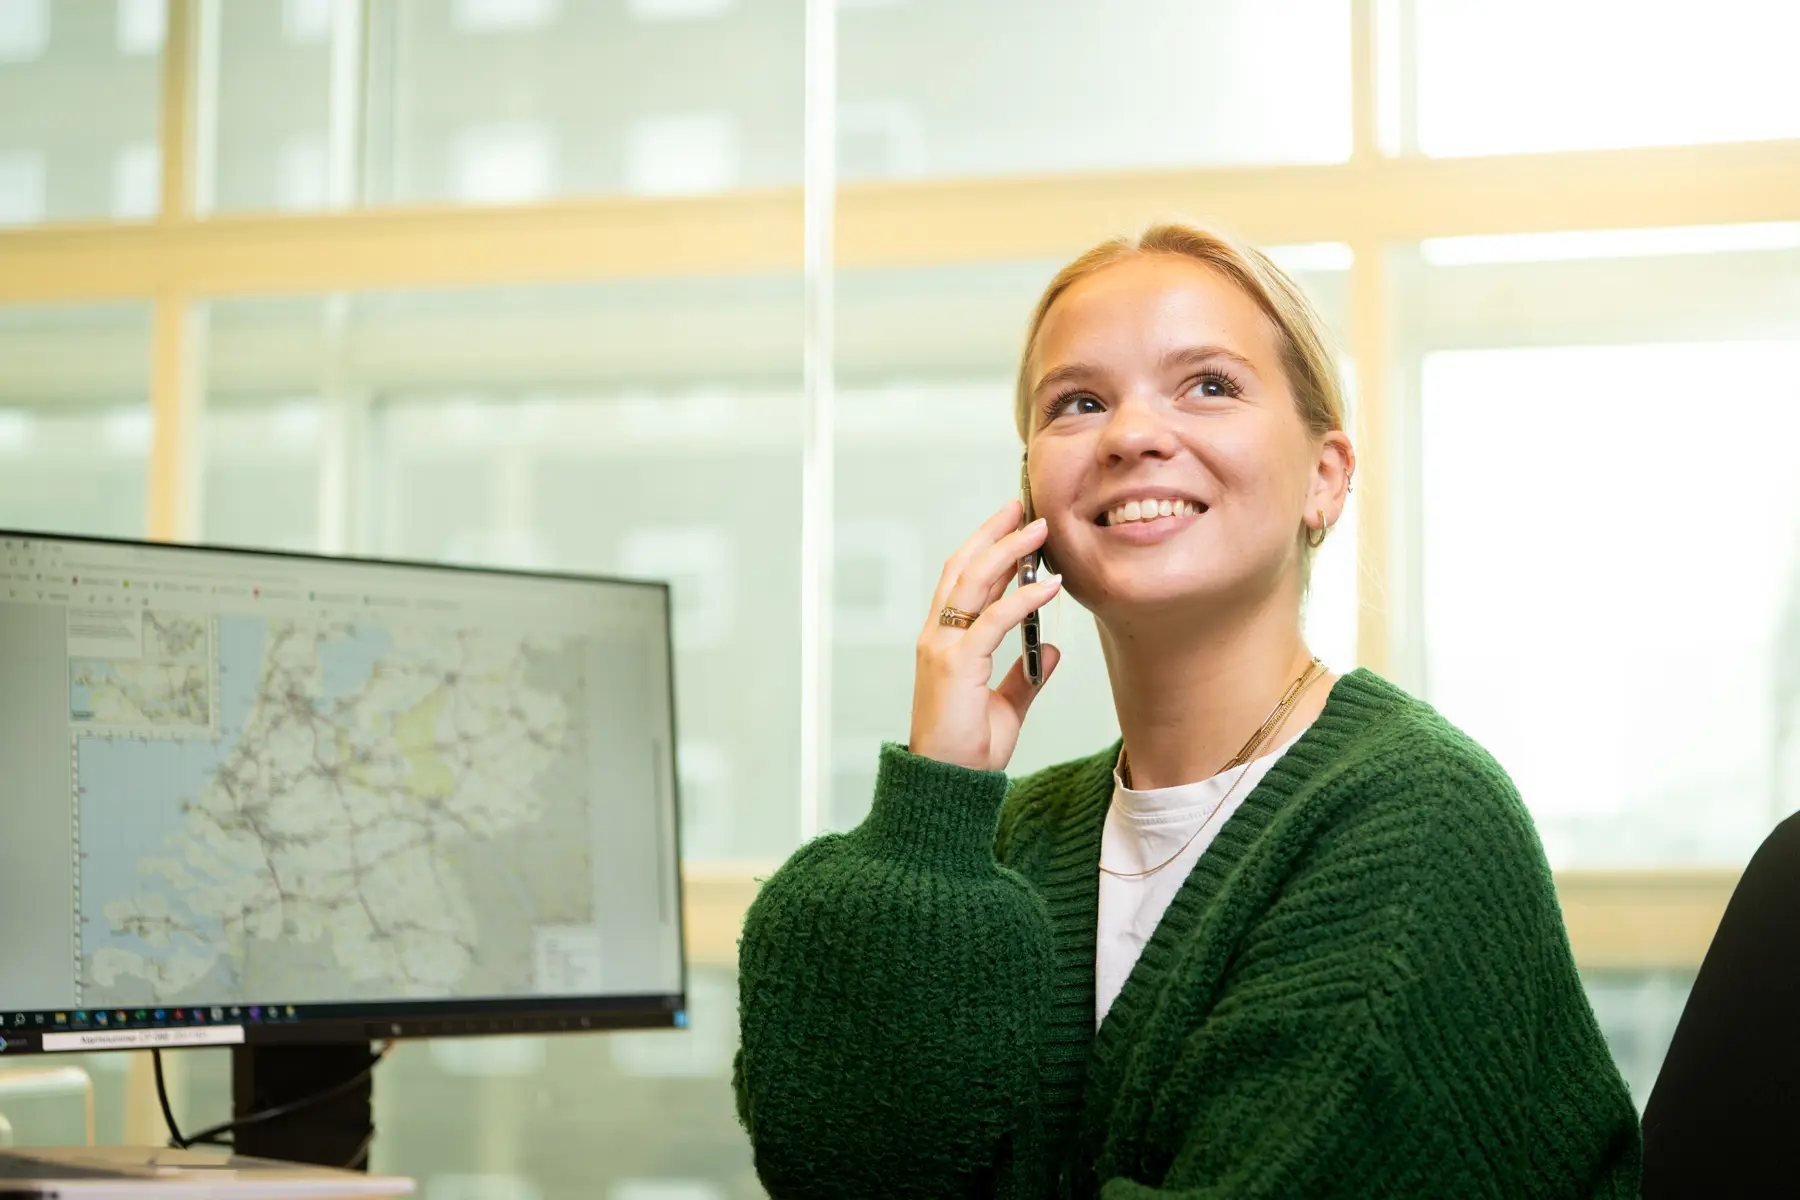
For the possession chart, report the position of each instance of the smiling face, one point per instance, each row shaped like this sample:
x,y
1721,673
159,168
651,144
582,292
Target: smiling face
x,y
1165,447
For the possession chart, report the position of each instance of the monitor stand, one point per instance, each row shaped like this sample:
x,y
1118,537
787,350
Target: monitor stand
x,y
331,1133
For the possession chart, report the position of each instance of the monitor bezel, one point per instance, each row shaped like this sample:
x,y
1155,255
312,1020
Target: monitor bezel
x,y
467,1016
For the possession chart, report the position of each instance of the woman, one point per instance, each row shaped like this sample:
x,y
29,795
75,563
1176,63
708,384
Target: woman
x,y
1293,936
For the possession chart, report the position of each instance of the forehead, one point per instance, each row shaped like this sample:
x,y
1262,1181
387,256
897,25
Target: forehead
x,y
1148,305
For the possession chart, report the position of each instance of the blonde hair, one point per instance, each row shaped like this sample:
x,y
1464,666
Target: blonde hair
x,y
1306,355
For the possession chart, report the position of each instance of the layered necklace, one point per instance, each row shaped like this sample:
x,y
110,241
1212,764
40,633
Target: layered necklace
x,y
1271,725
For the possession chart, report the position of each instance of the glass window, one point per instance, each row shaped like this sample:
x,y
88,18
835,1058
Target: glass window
x,y
1610,534
280,424
927,450
75,419
1627,665
271,144
646,428
1638,1012
939,88
263,473
646,98
79,87
1544,75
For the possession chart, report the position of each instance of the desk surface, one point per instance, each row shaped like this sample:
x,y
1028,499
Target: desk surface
x,y
212,1174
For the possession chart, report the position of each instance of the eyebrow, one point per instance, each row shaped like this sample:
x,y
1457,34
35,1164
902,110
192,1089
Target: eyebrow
x,y
1185,356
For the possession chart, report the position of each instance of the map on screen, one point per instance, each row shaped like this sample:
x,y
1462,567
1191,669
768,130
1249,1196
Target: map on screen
x,y
323,809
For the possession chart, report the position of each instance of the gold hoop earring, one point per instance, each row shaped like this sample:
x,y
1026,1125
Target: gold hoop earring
x,y
1316,537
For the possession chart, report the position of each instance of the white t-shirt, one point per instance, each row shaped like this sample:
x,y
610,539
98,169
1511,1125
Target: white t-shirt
x,y
1143,829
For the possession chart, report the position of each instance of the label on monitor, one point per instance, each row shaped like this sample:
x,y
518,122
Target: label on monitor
x,y
145,1039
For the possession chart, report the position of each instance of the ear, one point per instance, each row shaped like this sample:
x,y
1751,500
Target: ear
x,y
1331,476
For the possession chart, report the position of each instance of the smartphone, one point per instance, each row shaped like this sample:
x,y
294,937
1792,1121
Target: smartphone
x,y
1030,567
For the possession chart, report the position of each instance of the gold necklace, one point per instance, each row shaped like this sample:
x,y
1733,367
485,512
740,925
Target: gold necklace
x,y
1276,719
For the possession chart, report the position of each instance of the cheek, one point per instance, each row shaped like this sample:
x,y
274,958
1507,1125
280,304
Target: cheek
x,y
1053,485
1265,475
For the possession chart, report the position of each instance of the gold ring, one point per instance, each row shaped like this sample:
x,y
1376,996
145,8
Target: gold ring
x,y
956,617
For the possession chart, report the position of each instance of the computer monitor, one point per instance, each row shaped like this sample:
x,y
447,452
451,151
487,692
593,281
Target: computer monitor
x,y
260,799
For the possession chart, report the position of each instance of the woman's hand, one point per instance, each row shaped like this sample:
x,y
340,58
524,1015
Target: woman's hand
x,y
956,717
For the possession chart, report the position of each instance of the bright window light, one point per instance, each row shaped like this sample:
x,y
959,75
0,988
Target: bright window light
x,y
678,10
306,21
21,187
1544,75
1609,243
126,432
681,154
300,173
296,424
504,16
503,163
17,431
136,180
141,25
1304,257
24,29
664,1189
1617,524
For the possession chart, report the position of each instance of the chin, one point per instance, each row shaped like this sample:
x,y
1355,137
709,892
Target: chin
x,y
1146,593
1175,585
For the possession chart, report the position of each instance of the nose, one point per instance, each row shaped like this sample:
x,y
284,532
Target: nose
x,y
1137,428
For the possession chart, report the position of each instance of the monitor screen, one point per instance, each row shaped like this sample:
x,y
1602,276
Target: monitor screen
x,y
248,796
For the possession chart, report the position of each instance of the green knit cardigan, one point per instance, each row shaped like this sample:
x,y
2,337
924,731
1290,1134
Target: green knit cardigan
x,y
1363,988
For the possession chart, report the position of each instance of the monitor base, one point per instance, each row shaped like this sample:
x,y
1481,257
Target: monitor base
x,y
332,1133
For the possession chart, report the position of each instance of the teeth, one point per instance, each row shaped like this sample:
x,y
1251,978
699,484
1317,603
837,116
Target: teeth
x,y
1150,510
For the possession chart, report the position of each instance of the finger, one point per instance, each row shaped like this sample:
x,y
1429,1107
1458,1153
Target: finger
x,y
994,566
1002,616
1019,694
989,531
998,590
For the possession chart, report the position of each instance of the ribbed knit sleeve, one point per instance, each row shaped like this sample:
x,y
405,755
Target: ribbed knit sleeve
x,y
894,986
1403,1019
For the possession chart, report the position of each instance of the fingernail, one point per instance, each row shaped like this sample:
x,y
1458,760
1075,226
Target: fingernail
x,y
1042,521
1056,581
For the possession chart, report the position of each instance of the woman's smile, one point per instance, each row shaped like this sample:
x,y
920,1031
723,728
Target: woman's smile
x,y
1149,521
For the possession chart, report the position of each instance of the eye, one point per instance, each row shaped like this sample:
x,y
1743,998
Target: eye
x,y
1215,384
1076,403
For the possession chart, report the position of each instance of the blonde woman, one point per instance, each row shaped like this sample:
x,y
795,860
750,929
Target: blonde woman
x,y
1293,936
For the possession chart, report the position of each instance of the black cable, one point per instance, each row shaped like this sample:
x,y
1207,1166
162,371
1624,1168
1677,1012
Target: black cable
x,y
162,1098
361,1157
213,1134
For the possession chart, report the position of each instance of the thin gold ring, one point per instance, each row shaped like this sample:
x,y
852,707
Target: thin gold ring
x,y
956,617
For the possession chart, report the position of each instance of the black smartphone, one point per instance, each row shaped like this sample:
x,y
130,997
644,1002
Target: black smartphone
x,y
1029,568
